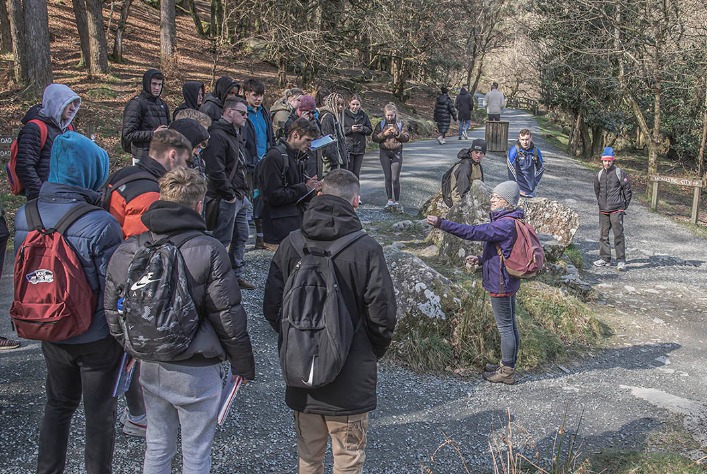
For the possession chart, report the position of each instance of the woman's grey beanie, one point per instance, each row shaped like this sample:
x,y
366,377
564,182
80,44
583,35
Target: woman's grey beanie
x,y
509,191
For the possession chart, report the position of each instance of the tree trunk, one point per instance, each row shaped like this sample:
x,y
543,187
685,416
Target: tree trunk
x,y
654,137
576,135
168,37
216,18
282,71
5,31
586,141
119,30
37,28
703,141
19,47
197,20
597,140
97,38
82,27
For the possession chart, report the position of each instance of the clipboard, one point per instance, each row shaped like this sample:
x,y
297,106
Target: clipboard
x,y
321,142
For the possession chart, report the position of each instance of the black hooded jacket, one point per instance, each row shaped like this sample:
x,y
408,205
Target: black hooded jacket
x,y
444,112
223,333
464,104
225,150
368,290
356,141
213,102
190,92
142,115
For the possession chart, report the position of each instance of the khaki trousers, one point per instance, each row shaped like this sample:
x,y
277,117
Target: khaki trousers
x,y
348,442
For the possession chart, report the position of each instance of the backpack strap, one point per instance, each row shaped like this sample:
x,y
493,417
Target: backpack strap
x,y
34,220
110,187
43,131
338,245
147,239
73,215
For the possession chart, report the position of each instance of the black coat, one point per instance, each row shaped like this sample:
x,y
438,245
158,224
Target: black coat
x,y
213,102
223,333
444,112
356,141
464,104
190,91
220,156
368,290
142,115
281,181
334,154
613,191
33,162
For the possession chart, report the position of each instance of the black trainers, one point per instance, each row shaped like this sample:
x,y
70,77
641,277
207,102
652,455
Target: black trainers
x,y
7,344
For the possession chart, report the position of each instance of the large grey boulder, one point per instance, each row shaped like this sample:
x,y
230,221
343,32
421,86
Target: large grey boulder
x,y
553,218
420,291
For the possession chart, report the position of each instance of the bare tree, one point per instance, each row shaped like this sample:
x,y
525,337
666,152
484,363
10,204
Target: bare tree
x,y
82,28
97,38
19,48
5,31
168,37
119,30
29,22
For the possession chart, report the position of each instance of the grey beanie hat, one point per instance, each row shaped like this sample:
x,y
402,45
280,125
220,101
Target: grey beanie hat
x,y
509,191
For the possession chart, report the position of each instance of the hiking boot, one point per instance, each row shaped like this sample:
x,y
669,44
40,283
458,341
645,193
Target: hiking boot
x,y
245,284
601,263
440,139
503,374
492,367
621,266
8,344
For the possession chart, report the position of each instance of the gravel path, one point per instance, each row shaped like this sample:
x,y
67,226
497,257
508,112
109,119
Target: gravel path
x,y
649,385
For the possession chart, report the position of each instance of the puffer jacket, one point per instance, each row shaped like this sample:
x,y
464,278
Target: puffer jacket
x,y
143,114
464,104
32,160
213,102
613,192
220,156
129,202
444,112
223,333
190,92
500,231
94,237
356,141
369,293
395,142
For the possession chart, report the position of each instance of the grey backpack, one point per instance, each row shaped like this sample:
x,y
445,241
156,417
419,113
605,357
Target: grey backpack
x,y
316,327
159,318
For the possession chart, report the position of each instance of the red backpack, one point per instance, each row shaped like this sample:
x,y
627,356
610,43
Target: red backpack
x,y
527,256
16,186
53,300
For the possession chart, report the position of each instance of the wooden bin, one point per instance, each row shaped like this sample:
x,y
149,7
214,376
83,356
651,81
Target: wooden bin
x,y
497,136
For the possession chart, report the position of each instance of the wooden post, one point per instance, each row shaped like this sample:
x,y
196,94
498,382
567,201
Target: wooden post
x,y
654,199
695,204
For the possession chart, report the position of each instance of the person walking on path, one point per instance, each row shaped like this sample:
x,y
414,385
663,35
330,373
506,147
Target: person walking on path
x,y
83,366
495,102
338,410
464,104
443,114
525,164
144,114
613,191
498,236
357,126
58,109
185,390
390,134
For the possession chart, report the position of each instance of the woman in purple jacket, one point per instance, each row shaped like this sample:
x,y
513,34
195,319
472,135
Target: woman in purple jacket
x,y
501,234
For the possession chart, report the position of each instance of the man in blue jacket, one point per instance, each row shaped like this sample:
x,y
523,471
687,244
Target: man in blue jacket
x,y
525,164
82,366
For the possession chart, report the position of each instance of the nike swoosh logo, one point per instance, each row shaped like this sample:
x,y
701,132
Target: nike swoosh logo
x,y
309,382
144,281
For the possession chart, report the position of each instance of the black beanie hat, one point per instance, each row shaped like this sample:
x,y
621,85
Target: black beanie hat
x,y
191,129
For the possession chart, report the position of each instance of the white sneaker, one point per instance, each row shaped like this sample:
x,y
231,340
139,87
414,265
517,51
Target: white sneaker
x,y
621,266
466,137
390,203
601,263
440,140
444,142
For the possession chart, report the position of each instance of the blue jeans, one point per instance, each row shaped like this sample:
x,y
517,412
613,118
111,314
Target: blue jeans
x,y
180,395
504,311
464,126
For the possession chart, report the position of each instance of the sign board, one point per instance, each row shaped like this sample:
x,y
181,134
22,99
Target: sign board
x,y
696,183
